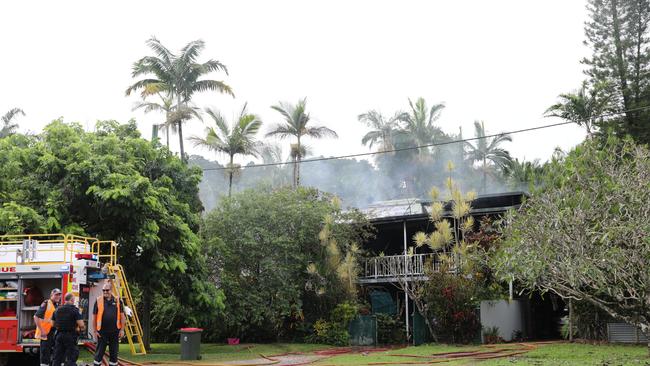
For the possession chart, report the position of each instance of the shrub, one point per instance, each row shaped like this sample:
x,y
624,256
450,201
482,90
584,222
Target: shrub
x,y
390,329
451,300
491,335
344,313
329,333
335,331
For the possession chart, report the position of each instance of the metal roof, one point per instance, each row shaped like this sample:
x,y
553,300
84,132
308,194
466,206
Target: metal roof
x,y
410,208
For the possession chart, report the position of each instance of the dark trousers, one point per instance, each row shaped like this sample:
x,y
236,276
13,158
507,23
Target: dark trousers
x,y
66,349
112,340
47,346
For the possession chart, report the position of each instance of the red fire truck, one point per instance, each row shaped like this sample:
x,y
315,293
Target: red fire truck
x,y
32,265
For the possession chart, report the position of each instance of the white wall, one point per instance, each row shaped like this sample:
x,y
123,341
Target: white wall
x,y
504,314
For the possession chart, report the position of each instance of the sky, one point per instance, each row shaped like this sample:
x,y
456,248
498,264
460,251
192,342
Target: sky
x,y
500,61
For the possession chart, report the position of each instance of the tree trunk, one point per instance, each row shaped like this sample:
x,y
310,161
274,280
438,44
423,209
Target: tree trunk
x,y
146,318
570,320
297,167
230,173
180,129
420,305
167,134
620,62
293,179
484,175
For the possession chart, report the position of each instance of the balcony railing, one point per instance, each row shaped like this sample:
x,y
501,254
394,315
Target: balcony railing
x,y
393,266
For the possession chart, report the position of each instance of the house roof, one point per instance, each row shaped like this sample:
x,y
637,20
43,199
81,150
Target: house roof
x,y
415,208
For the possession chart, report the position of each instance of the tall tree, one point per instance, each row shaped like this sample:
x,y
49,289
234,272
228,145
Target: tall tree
x,y
232,140
584,234
173,116
8,127
383,130
420,128
114,185
487,151
586,107
296,120
617,34
177,75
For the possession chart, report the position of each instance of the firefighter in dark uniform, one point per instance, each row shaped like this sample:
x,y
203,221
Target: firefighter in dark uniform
x,y
109,325
68,321
44,323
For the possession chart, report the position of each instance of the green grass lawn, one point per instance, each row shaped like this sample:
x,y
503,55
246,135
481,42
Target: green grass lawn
x,y
544,355
212,352
579,354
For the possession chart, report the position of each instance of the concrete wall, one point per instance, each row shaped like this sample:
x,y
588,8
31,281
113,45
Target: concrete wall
x,y
504,314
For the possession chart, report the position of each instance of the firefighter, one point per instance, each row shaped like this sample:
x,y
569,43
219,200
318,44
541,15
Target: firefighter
x,y
43,321
69,323
109,320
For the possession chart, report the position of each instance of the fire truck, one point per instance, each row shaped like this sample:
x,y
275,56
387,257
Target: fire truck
x,y
33,265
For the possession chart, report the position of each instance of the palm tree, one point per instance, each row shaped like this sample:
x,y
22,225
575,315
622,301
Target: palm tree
x,y
8,127
524,173
420,128
295,124
487,151
235,139
584,107
383,131
173,116
176,75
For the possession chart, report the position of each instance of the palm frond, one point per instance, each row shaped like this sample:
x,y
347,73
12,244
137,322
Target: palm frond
x,y
219,120
11,114
191,51
281,131
212,85
163,52
213,65
320,132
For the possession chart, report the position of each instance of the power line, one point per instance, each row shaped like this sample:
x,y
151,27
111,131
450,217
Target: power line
x,y
443,143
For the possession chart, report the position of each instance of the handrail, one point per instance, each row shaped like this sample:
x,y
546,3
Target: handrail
x,y
399,265
68,244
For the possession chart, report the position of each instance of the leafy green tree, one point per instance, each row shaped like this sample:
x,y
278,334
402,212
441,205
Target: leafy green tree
x,y
112,184
264,242
618,35
383,131
586,107
178,76
8,127
296,120
238,139
583,234
487,151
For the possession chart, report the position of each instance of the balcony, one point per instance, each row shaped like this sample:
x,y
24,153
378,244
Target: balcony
x,y
392,268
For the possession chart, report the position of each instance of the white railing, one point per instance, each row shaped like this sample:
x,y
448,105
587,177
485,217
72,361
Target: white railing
x,y
399,265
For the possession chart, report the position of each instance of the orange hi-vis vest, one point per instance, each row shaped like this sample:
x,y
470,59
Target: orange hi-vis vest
x,y
46,323
100,313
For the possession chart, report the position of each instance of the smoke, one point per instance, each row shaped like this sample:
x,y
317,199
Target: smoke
x,y
358,183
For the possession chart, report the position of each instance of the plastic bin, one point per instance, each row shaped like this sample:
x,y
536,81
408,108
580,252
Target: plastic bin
x,y
190,343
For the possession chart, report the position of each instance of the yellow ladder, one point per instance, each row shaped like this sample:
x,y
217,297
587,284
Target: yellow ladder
x,y
133,328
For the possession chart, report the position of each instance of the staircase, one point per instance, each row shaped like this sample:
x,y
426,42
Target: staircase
x,y
133,328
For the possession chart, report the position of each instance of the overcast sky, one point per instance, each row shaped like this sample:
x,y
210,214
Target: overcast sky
x,y
500,61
